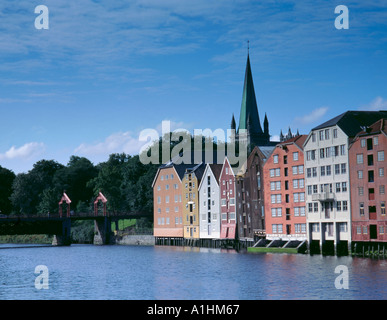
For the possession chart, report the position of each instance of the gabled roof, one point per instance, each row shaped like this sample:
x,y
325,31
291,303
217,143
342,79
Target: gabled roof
x,y
198,169
297,140
351,122
215,169
378,127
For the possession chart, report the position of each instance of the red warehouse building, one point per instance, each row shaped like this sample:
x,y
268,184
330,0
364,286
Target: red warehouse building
x,y
368,183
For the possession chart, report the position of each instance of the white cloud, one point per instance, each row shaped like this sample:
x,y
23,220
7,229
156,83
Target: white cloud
x,y
315,115
116,143
377,104
27,151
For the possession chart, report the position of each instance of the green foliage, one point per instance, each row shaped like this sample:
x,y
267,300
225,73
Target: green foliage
x,y
6,180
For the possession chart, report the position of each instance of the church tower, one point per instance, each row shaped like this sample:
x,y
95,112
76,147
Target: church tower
x,y
249,116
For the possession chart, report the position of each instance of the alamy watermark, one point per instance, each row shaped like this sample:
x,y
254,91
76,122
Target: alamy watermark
x,y
342,21
342,280
41,281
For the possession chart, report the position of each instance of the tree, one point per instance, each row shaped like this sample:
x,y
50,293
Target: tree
x,y
28,187
74,180
6,180
109,181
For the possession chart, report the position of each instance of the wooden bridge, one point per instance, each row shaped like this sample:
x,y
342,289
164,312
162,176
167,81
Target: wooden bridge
x,y
59,224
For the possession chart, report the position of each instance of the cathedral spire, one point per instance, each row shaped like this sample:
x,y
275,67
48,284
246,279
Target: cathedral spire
x,y
249,103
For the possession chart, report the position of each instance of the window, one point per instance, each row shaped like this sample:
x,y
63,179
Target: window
x,y
337,169
383,208
361,208
362,143
343,227
295,156
360,174
158,199
381,172
272,185
358,230
360,191
272,172
344,186
328,170
295,184
308,172
338,205
294,170
167,187
376,141
313,137
321,135
381,189
328,152
322,171
334,133
342,150
278,196
322,153
310,207
343,168
309,190
338,187
285,159
381,155
315,206
345,205
314,172
369,144
272,198
275,158
371,176
326,134
359,158
301,169
158,210
370,160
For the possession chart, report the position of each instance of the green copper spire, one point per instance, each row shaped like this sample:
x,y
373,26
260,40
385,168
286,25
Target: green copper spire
x,y
249,107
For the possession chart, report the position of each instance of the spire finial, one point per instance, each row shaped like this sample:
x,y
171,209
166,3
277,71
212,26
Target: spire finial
x,y
248,46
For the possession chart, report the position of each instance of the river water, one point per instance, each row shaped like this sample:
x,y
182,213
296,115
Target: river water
x,y
84,272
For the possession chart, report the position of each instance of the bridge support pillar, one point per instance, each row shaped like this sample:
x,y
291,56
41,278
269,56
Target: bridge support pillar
x,y
63,239
102,231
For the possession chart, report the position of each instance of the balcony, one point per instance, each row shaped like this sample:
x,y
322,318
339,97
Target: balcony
x,y
324,196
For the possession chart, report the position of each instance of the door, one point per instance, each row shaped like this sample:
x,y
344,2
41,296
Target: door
x,y
373,231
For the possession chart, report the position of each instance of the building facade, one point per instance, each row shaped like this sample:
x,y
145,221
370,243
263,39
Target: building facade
x,y
167,199
284,184
327,180
368,182
227,201
209,202
250,195
190,187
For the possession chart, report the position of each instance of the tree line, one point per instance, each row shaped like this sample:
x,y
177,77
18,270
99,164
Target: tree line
x,y
123,179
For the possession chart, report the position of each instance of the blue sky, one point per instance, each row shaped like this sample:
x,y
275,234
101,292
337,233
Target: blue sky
x,y
105,70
